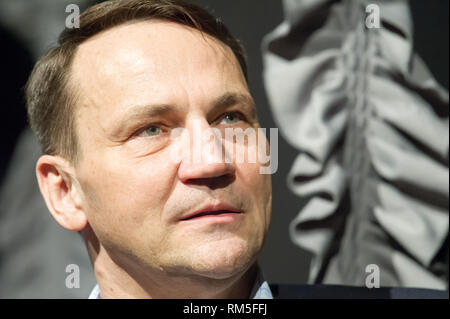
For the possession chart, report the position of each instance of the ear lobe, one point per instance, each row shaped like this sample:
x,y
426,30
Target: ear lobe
x,y
60,194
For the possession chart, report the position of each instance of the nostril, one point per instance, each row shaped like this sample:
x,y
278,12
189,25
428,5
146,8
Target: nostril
x,y
200,172
212,182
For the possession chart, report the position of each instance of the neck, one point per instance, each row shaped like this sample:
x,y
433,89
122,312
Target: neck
x,y
116,282
118,279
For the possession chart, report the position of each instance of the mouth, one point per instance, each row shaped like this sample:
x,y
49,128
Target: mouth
x,y
216,212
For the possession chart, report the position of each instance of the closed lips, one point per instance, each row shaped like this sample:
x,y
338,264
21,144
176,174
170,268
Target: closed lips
x,y
210,213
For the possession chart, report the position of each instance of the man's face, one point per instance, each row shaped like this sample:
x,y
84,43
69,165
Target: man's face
x,y
136,83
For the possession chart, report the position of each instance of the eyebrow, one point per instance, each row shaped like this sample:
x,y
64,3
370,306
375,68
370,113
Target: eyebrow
x,y
152,110
229,99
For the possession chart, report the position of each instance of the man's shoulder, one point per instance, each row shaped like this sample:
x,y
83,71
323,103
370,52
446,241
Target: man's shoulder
x,y
286,291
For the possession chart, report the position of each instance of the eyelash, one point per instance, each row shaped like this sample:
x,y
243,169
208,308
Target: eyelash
x,y
143,129
240,115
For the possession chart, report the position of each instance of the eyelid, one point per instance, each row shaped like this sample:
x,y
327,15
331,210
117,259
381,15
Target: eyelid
x,y
240,115
141,130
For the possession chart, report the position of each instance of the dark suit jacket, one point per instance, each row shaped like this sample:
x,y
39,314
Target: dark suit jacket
x,y
352,292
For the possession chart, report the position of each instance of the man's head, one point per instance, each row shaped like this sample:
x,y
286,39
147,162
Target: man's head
x,y
134,72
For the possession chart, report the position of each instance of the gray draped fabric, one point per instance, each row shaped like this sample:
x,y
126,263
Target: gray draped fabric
x,y
371,127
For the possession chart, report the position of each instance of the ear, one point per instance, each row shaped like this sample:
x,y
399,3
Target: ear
x,y
56,180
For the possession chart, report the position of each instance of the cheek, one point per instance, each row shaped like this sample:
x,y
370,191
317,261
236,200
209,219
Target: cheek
x,y
127,192
257,184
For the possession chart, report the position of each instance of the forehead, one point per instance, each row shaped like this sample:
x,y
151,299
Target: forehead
x,y
153,60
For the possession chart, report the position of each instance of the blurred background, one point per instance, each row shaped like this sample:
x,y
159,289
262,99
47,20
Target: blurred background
x,y
34,250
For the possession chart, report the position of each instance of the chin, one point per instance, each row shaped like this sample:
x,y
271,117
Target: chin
x,y
224,261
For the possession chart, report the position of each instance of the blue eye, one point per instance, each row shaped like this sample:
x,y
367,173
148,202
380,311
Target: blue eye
x,y
230,118
152,131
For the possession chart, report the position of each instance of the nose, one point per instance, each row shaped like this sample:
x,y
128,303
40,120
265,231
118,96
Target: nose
x,y
205,163
205,173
